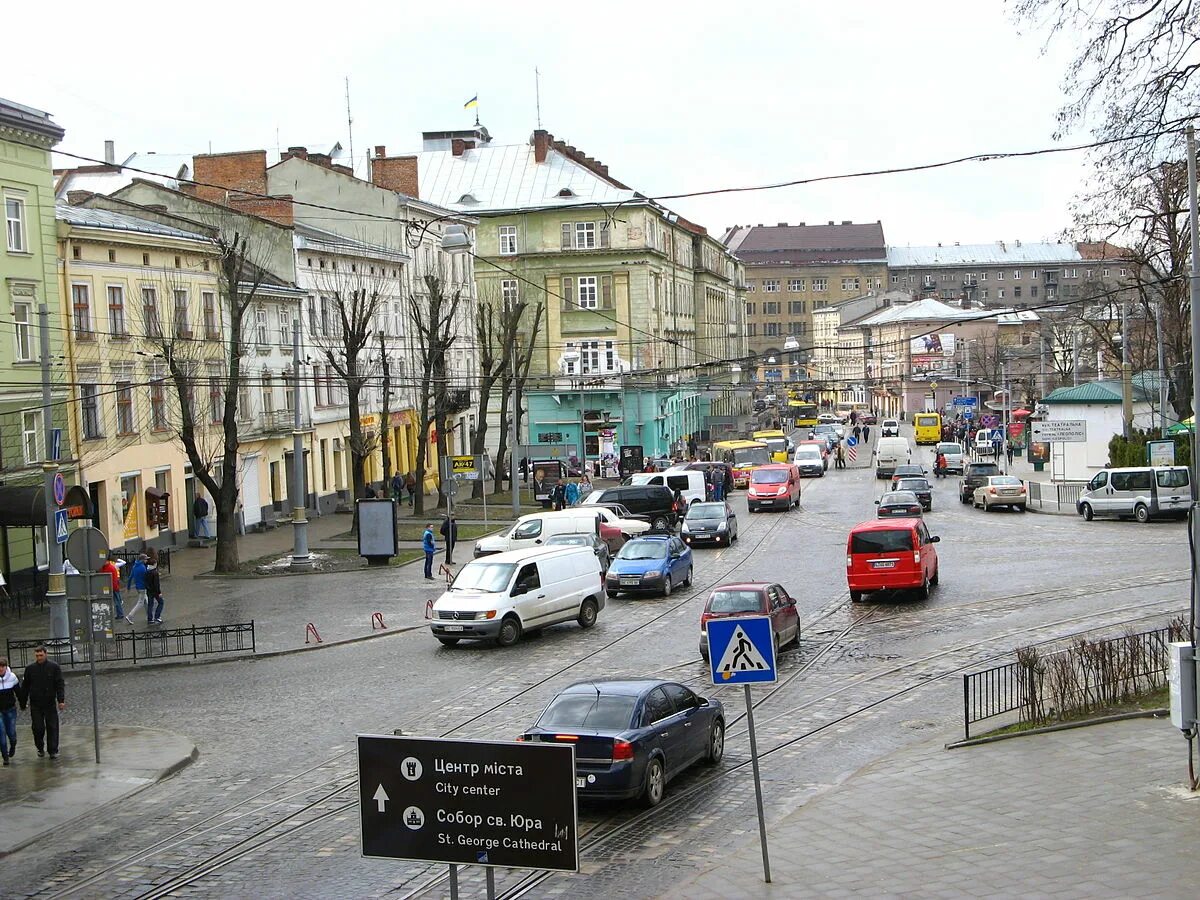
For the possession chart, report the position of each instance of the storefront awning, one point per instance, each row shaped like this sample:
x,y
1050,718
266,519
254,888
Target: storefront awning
x,y
24,506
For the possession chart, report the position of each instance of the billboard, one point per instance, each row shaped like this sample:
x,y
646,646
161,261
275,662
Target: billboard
x,y
931,353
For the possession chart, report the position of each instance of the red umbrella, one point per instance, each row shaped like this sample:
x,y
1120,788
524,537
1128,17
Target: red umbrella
x,y
1021,413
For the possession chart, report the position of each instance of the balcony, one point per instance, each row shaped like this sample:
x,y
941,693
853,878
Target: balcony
x,y
277,421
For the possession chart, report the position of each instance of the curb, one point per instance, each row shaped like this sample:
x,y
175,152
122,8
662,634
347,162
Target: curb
x,y
1061,726
249,577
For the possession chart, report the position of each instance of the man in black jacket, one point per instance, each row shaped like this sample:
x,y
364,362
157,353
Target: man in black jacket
x,y
44,692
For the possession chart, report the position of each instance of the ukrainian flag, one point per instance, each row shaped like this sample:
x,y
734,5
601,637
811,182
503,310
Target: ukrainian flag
x,y
474,101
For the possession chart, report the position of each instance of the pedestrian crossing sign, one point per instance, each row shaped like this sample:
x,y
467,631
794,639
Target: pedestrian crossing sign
x,y
741,650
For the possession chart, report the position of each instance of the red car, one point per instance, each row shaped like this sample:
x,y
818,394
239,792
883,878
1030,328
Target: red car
x,y
753,598
891,554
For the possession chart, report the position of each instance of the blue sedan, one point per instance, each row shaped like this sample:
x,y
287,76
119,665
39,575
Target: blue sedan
x,y
652,563
632,737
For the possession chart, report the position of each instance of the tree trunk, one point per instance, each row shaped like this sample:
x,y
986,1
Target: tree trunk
x,y
479,441
503,448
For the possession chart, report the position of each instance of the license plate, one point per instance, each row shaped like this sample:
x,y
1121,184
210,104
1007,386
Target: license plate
x,y
630,580
580,782
766,502
454,627
884,564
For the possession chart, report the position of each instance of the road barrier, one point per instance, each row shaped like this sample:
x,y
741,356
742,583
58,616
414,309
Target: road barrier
x,y
377,621
1059,494
310,631
140,646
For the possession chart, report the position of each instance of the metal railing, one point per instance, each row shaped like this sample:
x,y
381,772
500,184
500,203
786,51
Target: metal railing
x,y
1055,493
130,556
1087,675
135,647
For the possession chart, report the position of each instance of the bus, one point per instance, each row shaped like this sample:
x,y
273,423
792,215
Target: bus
x,y
742,456
802,413
777,442
927,427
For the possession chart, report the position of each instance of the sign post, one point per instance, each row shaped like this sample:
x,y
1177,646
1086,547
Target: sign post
x,y
462,802
87,549
1065,431
742,651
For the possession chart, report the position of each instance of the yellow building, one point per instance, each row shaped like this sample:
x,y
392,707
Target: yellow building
x,y
132,286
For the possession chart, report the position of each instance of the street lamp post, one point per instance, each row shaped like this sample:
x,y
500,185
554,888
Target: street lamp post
x,y
301,558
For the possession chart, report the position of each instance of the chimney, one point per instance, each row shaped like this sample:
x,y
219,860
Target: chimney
x,y
277,209
298,152
457,146
395,173
77,197
380,151
110,153
783,224
801,224
321,159
847,222
831,221
239,171
541,145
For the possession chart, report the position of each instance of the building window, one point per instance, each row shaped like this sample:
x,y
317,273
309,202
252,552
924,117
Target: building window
x,y
150,312
751,309
983,293
796,306
23,330
508,240
820,304
267,386
1017,292
1123,272
325,316
1000,276
751,287
261,330
770,285
243,400
587,291
116,311
895,280
318,387
31,432
285,328
820,284
124,386
1033,290
14,220
771,308
89,404
874,283
770,329
216,397
182,328
1104,273
585,235
81,308
158,398
508,291
795,284
289,390
76,252
850,284
145,259
1016,273
209,299
999,293
751,329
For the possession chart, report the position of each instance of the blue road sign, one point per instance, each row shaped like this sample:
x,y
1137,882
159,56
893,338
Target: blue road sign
x,y
60,525
968,413
852,441
56,444
741,650
60,489
966,401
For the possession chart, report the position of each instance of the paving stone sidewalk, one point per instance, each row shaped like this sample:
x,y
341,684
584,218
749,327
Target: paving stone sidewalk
x,y
1100,811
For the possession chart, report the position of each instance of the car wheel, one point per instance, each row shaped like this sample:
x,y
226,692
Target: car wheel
x,y
656,783
587,613
923,590
448,642
612,594
1087,512
688,581
716,742
856,596
660,523
667,586
510,632
1141,513
1021,508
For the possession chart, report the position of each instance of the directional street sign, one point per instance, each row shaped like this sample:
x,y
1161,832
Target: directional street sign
x,y
741,650
56,445
468,802
1071,431
60,526
60,489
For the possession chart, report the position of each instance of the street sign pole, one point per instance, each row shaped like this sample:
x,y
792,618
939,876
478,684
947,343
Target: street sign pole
x,y
86,549
762,822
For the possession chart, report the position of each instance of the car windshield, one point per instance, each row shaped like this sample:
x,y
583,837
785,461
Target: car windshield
x,y
735,602
769,476
1006,479
752,456
774,444
912,484
809,452
823,429
898,498
483,576
644,550
585,710
881,541
706,511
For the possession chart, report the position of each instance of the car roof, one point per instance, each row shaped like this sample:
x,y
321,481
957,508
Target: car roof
x,y
650,536
743,586
784,466
900,495
520,556
629,687
884,524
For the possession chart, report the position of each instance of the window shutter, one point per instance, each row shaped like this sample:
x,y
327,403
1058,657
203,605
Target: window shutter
x,y
567,229
568,297
606,299
604,235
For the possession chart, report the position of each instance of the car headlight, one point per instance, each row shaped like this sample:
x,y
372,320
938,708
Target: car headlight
x,y
684,528
653,573
724,526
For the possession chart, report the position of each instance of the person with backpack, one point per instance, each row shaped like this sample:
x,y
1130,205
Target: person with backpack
x,y
200,511
397,487
410,485
154,597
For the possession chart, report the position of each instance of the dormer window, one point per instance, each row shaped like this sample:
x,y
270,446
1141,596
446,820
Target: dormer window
x,y
468,199
566,192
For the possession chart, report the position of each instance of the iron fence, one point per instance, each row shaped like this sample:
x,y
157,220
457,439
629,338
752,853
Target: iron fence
x,y
1061,494
130,556
1086,676
135,647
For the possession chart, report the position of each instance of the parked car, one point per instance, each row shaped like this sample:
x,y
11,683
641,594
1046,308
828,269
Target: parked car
x,y
890,428
776,486
975,475
704,522
654,501
753,598
1001,490
953,452
500,597
631,737
891,554
654,563
532,530
907,471
631,523
809,459
1145,493
898,503
599,547
867,418
920,486
689,482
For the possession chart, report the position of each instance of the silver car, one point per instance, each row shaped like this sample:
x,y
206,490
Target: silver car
x,y
954,456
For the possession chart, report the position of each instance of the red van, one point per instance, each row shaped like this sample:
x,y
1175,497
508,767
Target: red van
x,y
776,486
891,554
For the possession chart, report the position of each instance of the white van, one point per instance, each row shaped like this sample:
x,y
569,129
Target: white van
x,y
503,596
689,482
891,452
1143,492
530,531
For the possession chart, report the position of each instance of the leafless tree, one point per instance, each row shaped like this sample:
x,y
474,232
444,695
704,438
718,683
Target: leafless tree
x,y
432,312
523,336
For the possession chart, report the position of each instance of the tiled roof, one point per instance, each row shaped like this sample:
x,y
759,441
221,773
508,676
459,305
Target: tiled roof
x,y
811,243
86,217
997,253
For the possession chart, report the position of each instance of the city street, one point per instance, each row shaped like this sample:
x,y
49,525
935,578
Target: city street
x,y
269,808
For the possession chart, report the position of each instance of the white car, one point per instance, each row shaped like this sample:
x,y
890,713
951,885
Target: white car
x,y
608,517
890,428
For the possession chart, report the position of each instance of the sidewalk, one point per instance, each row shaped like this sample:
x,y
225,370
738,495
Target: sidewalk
x,y
39,795
1100,811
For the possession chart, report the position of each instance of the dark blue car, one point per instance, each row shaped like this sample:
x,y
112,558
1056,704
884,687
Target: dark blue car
x,y
651,563
632,737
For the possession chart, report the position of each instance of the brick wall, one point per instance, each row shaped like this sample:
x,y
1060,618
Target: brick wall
x,y
277,209
396,173
241,171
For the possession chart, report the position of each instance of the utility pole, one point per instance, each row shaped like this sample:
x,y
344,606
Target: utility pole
x,y
386,415
513,475
301,559
1007,407
1194,283
1042,361
56,588
1126,374
1162,372
1075,356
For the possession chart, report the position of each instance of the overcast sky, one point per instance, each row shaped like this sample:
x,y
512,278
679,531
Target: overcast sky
x,y
673,97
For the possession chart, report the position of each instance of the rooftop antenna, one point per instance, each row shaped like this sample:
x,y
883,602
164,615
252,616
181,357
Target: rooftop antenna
x,y
537,89
349,123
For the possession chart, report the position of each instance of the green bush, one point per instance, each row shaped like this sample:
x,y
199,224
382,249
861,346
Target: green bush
x,y
1132,452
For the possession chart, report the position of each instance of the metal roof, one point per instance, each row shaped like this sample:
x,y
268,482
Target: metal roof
x,y
996,253
86,217
164,168
507,177
808,238
924,310
1103,391
17,115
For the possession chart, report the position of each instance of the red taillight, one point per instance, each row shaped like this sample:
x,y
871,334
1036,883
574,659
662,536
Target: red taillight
x,y
622,750
522,738
566,737
992,491
704,617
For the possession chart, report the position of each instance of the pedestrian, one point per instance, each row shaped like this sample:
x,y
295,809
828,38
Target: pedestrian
x,y
1011,450
397,487
857,433
727,487
866,433
10,695
154,598
137,582
572,493
449,532
200,513
44,692
429,545
585,486
853,417
114,572
679,504
368,492
410,485
559,494
839,460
